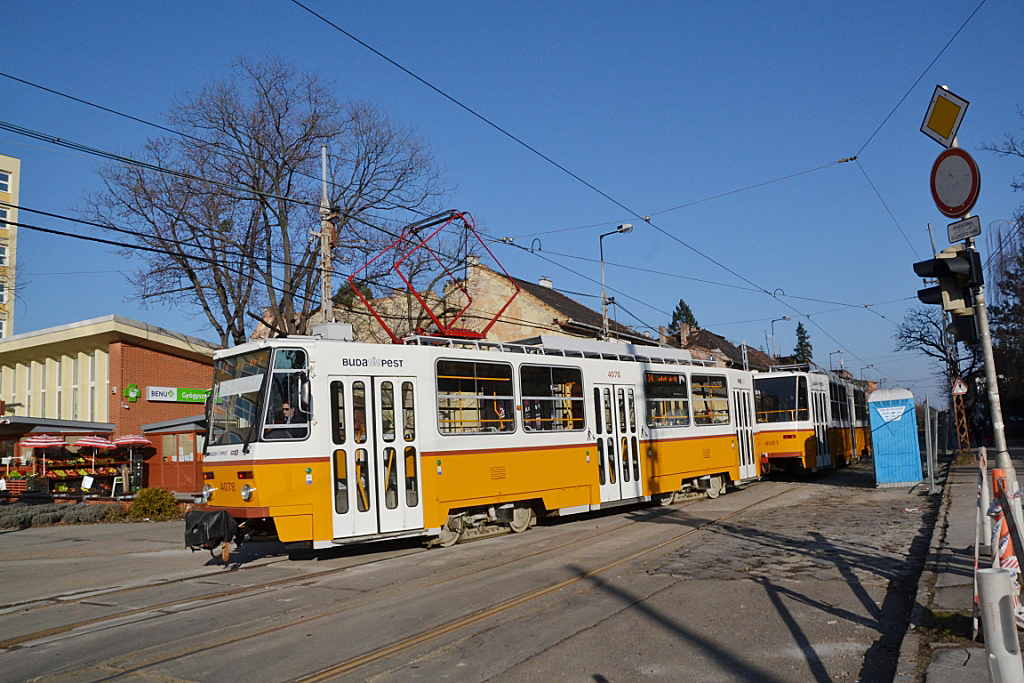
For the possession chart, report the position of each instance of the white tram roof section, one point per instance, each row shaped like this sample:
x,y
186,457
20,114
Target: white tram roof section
x,y
542,345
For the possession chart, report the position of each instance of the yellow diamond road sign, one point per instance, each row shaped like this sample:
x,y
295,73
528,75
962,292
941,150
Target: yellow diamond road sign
x,y
945,112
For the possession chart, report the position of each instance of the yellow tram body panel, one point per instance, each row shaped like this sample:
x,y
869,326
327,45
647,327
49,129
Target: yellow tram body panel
x,y
840,445
558,476
863,433
296,493
671,460
798,444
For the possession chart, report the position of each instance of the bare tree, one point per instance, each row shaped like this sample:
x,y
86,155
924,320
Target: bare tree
x,y
922,330
234,218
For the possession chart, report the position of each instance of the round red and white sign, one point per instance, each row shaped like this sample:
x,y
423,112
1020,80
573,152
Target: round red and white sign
x,y
956,182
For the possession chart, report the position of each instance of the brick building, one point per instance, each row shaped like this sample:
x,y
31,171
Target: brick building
x,y
104,377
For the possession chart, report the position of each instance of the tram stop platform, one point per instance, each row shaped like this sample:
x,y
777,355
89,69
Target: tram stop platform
x,y
938,647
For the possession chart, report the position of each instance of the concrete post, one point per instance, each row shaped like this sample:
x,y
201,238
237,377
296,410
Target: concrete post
x,y
1001,645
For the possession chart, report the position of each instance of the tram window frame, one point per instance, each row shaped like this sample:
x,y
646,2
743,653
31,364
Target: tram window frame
x,y
667,403
711,403
459,394
774,401
287,377
552,398
338,433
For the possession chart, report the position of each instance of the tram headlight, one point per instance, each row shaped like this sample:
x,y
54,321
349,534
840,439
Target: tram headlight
x,y
247,492
207,492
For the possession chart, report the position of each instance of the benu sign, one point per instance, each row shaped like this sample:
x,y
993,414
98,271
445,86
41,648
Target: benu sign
x,y
176,394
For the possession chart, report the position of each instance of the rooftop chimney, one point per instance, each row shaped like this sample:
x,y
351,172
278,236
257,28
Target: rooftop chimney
x,y
545,281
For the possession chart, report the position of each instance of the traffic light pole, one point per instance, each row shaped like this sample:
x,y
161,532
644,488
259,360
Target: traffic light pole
x,y
992,384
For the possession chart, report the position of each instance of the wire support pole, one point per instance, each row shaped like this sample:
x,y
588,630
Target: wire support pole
x,y
326,235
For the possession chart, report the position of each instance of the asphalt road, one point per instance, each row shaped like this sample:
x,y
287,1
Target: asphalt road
x,y
777,582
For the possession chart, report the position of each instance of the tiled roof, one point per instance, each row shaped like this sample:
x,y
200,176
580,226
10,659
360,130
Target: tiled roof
x,y
569,308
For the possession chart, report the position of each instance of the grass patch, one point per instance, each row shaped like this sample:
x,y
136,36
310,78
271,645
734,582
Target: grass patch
x,y
966,459
946,627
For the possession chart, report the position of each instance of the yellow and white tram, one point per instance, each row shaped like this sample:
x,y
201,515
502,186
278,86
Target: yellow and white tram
x,y
323,441
809,420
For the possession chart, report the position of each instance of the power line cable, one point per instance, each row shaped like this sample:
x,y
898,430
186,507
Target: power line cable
x,y
923,73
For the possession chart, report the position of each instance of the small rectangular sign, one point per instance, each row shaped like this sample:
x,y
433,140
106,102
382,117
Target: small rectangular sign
x,y
961,230
176,394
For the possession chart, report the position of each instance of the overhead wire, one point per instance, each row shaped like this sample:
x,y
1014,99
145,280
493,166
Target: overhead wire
x,y
179,133
540,154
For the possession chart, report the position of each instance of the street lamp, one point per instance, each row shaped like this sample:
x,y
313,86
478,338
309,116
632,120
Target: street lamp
x,y
624,228
785,317
862,371
830,358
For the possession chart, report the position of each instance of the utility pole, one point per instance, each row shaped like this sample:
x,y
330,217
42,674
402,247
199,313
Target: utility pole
x,y
327,236
992,383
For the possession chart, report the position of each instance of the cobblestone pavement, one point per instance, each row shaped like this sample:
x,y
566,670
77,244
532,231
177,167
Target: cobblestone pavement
x,y
865,541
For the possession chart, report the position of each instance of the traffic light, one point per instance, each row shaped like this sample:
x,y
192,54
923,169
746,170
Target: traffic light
x,y
957,269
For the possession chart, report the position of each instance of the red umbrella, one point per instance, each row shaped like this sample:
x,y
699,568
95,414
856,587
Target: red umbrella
x,y
132,440
94,442
43,441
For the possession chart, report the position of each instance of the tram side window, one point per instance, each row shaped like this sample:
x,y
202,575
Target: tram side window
x,y
552,398
710,399
474,398
338,412
340,482
408,412
860,405
668,403
781,399
359,412
840,407
286,419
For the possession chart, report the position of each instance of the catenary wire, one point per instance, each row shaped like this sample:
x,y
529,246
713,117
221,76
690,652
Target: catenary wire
x,y
568,172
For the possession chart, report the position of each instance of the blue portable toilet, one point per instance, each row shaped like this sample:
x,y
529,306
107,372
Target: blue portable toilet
x,y
894,438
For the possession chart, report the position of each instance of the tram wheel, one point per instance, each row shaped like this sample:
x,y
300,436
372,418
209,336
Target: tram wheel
x,y
521,518
666,499
717,486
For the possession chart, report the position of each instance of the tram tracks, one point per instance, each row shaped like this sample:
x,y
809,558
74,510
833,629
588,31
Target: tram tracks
x,y
355,663
243,591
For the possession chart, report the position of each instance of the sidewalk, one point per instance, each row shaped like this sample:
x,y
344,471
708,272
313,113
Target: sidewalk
x,y
939,637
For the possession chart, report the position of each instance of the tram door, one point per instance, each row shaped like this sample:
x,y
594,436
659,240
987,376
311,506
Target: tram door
x,y
375,461
743,409
819,404
617,441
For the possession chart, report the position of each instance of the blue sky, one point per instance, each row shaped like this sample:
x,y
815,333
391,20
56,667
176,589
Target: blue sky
x,y
659,105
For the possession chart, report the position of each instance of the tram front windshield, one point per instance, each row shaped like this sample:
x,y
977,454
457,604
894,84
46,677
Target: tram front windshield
x,y
235,404
781,399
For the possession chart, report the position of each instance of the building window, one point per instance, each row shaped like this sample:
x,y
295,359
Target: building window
x,y
3,252
74,387
60,388
474,397
552,398
42,388
5,182
3,219
3,292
